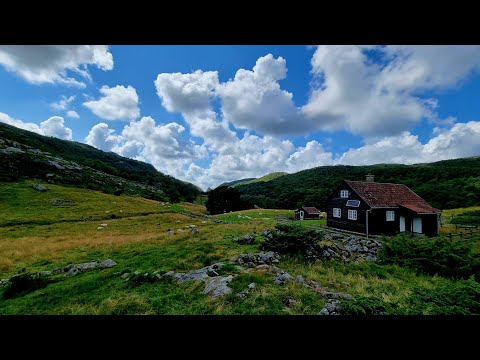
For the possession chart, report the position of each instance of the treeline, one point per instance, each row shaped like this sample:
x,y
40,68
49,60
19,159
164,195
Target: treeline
x,y
107,162
445,184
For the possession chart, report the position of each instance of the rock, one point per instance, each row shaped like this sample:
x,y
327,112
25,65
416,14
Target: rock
x,y
54,164
334,295
104,225
251,286
200,274
88,265
170,232
177,221
371,258
204,222
57,271
331,307
217,286
280,279
44,273
324,311
168,275
194,231
246,240
136,273
263,267
125,276
290,303
39,187
180,231
72,272
300,280
107,264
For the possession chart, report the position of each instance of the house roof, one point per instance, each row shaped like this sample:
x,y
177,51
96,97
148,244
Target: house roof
x,y
390,195
311,210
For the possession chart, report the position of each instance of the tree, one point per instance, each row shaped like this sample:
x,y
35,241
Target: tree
x,y
224,199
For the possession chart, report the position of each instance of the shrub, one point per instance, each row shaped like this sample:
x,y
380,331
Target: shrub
x,y
294,239
449,298
361,305
442,256
23,284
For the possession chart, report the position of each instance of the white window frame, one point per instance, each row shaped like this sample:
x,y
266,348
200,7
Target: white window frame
x,y
352,215
344,194
392,215
337,212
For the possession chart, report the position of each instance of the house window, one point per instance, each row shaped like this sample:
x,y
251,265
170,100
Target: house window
x,y
352,214
344,194
337,212
390,215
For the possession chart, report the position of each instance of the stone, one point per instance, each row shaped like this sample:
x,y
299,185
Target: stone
x,y
100,228
371,258
180,231
170,232
331,307
168,274
251,264
54,164
72,272
125,276
200,274
300,280
218,286
324,311
44,273
107,264
246,240
334,295
104,225
39,187
88,265
177,221
251,286
194,231
280,279
57,271
263,267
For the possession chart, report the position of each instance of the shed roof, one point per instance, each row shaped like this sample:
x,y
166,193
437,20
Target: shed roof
x,y
311,210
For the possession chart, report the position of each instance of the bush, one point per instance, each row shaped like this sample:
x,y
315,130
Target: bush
x,y
362,305
449,298
294,239
23,284
442,256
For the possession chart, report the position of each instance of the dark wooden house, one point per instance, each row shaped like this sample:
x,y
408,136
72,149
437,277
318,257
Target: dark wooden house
x,y
307,213
380,208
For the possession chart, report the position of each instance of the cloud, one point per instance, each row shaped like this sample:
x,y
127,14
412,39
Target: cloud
x,y
383,97
186,93
101,137
20,124
310,156
253,100
48,64
117,103
459,141
63,103
54,126
73,114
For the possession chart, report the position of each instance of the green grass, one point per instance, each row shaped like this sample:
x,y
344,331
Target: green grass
x,y
265,178
258,215
140,242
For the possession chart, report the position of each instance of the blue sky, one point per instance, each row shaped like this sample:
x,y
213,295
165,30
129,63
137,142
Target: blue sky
x,y
209,114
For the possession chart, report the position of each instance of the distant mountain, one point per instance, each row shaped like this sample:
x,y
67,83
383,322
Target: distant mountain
x,y
232,183
26,155
444,184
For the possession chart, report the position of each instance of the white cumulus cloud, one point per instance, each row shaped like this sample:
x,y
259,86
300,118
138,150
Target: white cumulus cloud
x,y
117,103
73,114
54,126
40,64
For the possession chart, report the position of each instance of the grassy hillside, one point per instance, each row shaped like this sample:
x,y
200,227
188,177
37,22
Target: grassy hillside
x,y
38,233
88,166
444,184
265,178
232,183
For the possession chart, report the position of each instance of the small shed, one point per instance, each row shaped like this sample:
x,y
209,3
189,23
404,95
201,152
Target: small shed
x,y
307,213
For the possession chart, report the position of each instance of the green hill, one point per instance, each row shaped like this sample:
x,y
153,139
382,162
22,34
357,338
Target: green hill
x,y
265,178
27,155
235,182
444,184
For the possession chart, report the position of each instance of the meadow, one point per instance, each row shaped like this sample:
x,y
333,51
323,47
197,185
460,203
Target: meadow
x,y
43,230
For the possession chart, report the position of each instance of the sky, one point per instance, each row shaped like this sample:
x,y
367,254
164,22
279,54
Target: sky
x,y
210,114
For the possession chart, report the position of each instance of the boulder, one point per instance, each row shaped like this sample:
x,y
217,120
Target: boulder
x,y
194,231
170,232
246,240
107,264
104,225
324,311
39,187
218,286
300,280
281,278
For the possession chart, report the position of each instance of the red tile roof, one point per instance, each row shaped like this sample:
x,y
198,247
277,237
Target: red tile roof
x,y
311,210
390,195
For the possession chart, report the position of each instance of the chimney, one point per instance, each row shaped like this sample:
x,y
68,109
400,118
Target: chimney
x,y
370,178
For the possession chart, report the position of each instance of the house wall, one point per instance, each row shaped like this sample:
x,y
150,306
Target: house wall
x,y
335,201
378,223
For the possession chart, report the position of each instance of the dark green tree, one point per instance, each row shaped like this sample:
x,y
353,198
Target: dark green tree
x,y
224,199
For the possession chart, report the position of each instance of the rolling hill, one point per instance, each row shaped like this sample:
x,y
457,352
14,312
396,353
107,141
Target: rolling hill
x,y
444,184
27,155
